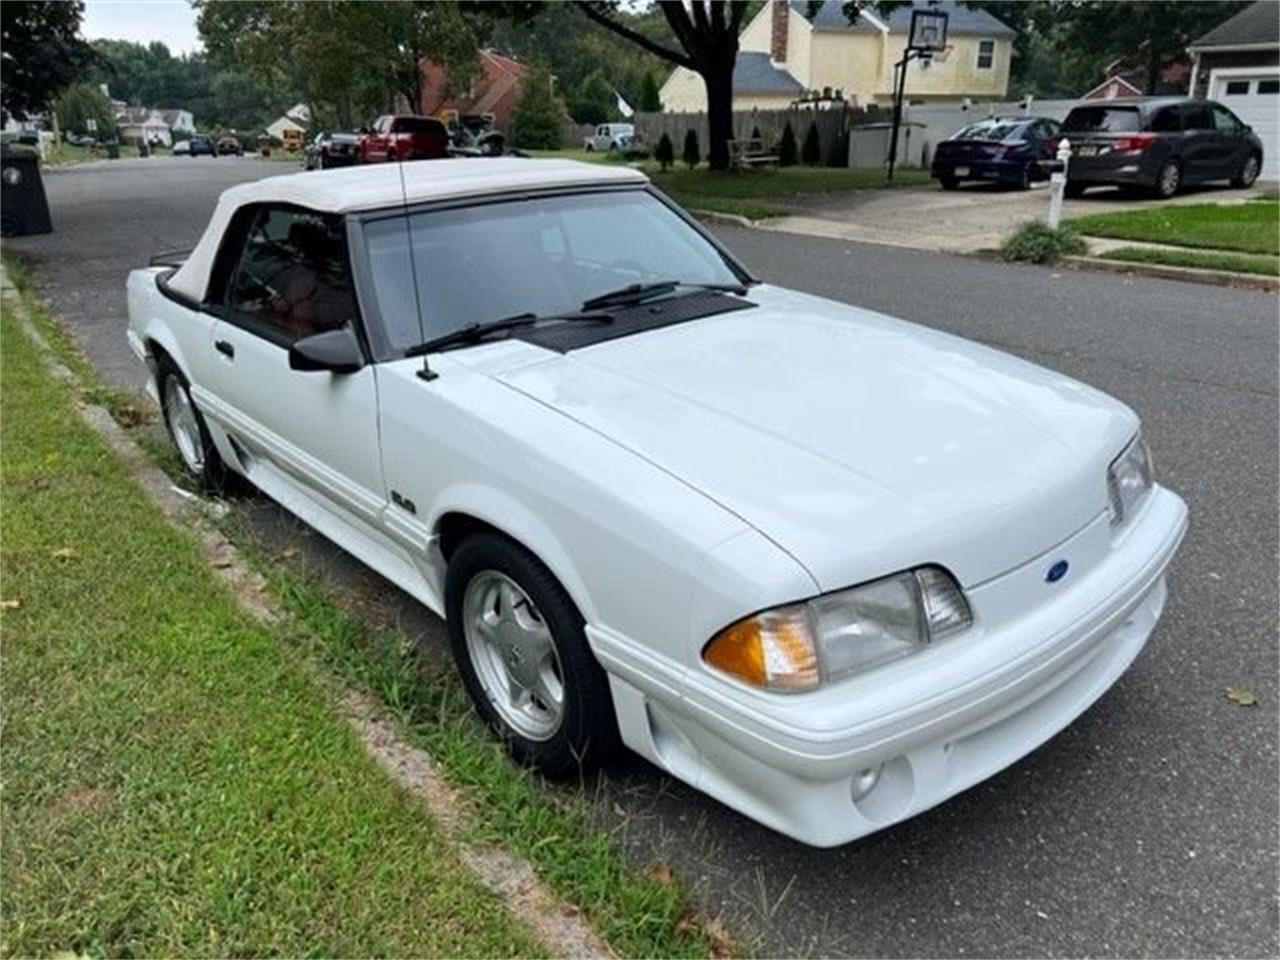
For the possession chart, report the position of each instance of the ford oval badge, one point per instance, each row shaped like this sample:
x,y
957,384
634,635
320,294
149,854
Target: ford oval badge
x,y
1057,572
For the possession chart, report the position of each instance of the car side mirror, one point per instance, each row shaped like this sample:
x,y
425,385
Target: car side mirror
x,y
337,351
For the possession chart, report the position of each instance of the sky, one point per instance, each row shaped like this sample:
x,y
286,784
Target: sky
x,y
172,22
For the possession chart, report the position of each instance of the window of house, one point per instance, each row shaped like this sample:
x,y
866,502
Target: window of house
x,y
1269,86
1236,87
291,277
986,54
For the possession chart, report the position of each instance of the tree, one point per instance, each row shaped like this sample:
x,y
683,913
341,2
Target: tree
x,y
811,152
1158,29
595,101
665,153
692,154
787,147
706,33
80,103
649,101
43,52
538,115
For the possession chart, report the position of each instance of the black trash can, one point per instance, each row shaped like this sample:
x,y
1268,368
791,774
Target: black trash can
x,y
23,207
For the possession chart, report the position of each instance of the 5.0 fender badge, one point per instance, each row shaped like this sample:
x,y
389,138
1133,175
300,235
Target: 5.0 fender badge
x,y
1057,571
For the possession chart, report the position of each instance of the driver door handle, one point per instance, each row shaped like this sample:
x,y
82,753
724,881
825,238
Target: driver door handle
x,y
225,348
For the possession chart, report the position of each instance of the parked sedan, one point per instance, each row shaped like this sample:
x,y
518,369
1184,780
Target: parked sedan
x,y
200,145
331,148
403,138
1159,144
827,566
1009,150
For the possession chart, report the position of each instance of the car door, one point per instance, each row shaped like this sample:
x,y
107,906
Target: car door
x,y
1200,143
1231,140
284,273
602,137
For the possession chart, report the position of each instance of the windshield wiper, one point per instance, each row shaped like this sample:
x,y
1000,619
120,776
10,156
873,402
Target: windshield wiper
x,y
477,332
639,292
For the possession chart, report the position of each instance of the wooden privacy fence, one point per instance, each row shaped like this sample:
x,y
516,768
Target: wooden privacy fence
x,y
833,125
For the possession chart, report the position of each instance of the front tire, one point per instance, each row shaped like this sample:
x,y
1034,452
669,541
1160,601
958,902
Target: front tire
x,y
949,183
519,643
1073,190
187,430
1248,172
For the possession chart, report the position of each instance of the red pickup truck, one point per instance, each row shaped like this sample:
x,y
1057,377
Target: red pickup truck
x,y
403,138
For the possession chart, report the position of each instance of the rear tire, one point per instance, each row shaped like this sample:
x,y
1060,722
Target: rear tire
x,y
1248,172
1168,180
949,183
187,430
518,641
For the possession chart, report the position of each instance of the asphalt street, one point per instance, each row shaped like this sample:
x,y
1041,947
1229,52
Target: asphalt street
x,y
1148,827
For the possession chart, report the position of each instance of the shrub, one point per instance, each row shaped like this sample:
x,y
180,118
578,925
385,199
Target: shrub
x,y
538,117
787,147
811,152
1037,242
692,155
838,151
665,152
755,134
650,101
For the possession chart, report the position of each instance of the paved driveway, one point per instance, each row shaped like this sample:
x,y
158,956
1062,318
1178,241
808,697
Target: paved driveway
x,y
1146,828
976,217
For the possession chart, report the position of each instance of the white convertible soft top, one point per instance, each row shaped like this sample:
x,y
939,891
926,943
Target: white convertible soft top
x,y
353,189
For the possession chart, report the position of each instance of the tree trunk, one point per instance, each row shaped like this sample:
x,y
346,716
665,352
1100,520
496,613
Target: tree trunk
x,y
718,76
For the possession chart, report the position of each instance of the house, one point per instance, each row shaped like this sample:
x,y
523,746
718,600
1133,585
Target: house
x,y
1238,64
178,120
785,53
144,123
1127,77
292,125
495,89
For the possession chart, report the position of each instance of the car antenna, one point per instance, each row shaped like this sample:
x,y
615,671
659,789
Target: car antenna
x,y
426,373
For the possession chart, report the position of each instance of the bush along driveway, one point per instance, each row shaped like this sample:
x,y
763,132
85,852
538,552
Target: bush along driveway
x,y
179,777
1242,238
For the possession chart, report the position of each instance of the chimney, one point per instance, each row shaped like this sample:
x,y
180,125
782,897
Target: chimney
x,y
778,38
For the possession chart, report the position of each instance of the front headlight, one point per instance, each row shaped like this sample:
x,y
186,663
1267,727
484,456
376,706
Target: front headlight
x,y
1129,479
836,635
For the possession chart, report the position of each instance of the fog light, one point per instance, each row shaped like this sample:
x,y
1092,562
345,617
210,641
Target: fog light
x,y
864,781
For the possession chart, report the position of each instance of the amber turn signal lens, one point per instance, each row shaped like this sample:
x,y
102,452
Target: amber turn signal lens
x,y
774,649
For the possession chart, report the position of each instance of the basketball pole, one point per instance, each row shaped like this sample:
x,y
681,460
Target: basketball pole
x,y
937,34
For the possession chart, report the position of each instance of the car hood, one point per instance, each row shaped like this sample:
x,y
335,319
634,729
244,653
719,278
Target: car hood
x,y
857,443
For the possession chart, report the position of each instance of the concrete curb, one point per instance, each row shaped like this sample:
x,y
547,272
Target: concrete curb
x,y
1217,278
513,880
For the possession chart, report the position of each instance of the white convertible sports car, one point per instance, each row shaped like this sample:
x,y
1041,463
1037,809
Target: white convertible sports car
x,y
827,566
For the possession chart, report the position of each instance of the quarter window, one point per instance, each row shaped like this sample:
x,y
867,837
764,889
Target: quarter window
x,y
986,54
1197,117
1166,121
1225,120
291,279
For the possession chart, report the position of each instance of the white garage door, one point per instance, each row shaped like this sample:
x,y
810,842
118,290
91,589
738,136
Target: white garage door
x,y
1254,97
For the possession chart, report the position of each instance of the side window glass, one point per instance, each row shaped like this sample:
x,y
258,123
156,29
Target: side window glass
x,y
1225,121
1166,121
1197,117
292,278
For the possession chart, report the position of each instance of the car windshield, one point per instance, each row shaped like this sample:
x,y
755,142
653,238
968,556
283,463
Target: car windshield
x,y
1101,120
545,256
989,130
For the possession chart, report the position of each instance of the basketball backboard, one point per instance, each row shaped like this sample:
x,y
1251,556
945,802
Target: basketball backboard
x,y
928,30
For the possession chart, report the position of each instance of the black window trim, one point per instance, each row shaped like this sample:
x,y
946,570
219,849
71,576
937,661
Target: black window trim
x,y
362,274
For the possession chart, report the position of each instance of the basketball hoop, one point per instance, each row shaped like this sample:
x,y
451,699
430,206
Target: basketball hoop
x,y
928,31
940,56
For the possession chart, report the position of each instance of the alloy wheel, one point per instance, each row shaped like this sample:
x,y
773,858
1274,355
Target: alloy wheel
x,y
180,416
514,655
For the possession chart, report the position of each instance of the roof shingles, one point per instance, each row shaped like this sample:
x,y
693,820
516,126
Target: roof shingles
x,y
1255,24
830,15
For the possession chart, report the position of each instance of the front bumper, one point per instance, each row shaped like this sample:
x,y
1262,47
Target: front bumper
x,y
829,767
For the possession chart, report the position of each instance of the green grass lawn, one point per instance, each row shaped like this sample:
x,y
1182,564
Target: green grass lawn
x,y
174,780
754,194
1241,227
1205,260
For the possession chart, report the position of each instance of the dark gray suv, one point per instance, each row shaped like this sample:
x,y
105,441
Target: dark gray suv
x,y
1159,143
